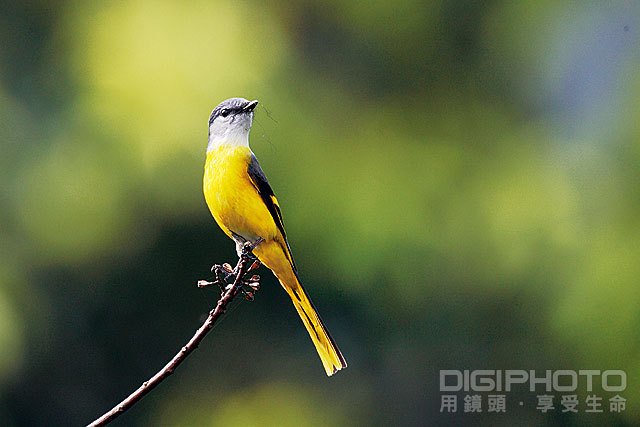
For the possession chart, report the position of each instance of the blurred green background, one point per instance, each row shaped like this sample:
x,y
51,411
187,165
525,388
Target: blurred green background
x,y
459,182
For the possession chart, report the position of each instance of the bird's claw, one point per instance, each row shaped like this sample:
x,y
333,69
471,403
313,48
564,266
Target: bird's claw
x,y
248,247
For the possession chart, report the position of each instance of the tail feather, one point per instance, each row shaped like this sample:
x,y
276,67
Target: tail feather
x,y
330,355
276,256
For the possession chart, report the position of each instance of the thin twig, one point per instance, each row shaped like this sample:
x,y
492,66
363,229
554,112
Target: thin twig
x,y
227,296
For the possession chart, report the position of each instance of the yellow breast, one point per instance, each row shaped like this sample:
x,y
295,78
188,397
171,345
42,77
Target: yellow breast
x,y
232,198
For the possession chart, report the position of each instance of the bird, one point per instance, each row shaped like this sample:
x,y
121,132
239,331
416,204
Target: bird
x,y
242,203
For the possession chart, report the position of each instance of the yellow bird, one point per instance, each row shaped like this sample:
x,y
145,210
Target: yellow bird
x,y
244,206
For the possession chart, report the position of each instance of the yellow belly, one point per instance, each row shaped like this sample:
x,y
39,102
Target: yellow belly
x,y
231,197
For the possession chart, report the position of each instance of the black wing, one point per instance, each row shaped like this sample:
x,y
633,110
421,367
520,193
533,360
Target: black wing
x,y
261,184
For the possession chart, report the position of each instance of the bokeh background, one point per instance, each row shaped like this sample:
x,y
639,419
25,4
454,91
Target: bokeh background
x,y
459,181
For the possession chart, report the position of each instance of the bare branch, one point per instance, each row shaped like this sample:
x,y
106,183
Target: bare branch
x,y
227,296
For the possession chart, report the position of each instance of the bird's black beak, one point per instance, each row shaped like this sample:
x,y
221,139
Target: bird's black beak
x,y
250,106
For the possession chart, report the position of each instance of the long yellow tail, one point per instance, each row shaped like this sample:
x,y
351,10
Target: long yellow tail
x,y
276,257
332,359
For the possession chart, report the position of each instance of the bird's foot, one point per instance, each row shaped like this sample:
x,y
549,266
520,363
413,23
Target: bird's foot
x,y
251,282
247,251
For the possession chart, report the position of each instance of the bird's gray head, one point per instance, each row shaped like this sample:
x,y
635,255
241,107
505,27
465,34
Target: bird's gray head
x,y
230,122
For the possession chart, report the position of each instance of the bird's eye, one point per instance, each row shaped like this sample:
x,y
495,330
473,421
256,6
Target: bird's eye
x,y
225,112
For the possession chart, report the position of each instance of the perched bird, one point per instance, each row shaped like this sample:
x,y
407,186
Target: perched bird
x,y
242,203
